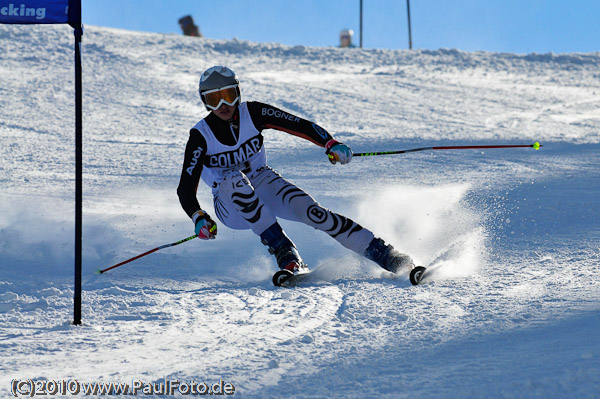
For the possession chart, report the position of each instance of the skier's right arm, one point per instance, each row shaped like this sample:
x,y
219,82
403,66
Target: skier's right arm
x,y
195,150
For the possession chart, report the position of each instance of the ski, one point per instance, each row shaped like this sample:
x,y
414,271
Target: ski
x,y
417,274
286,278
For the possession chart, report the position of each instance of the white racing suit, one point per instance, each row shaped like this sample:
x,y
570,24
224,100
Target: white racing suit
x,y
230,158
255,202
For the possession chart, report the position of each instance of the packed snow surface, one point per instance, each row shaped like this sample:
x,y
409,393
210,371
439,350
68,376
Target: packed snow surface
x,y
513,306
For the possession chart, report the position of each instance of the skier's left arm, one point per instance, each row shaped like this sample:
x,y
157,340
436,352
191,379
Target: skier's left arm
x,y
266,116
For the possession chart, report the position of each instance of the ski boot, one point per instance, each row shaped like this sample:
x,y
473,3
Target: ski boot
x,y
289,259
283,248
390,259
387,257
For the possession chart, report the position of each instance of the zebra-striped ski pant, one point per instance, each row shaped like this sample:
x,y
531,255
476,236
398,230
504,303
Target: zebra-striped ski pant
x,y
255,203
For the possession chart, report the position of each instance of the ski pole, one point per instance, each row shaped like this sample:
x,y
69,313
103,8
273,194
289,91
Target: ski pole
x,y
535,146
148,253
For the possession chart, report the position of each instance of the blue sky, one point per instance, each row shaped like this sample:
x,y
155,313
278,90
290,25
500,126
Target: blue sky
x,y
517,26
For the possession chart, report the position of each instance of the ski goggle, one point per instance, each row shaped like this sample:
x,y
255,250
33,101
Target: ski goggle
x,y
213,99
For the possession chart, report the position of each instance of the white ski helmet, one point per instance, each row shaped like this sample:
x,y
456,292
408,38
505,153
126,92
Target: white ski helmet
x,y
215,80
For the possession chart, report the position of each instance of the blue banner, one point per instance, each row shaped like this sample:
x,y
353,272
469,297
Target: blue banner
x,y
40,11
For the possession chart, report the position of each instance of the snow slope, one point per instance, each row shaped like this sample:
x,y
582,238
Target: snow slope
x,y
514,307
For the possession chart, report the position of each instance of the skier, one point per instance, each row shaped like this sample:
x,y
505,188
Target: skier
x,y
226,150
188,26
346,38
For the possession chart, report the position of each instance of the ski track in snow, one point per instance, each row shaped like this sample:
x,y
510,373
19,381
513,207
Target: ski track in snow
x,y
512,308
